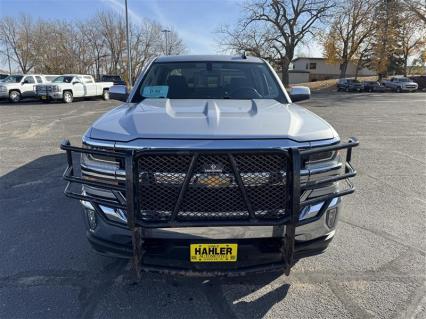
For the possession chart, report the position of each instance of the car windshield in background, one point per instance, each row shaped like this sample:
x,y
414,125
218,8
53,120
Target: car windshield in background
x,y
209,80
63,79
404,80
13,79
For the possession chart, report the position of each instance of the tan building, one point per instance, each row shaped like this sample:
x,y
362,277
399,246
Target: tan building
x,y
319,69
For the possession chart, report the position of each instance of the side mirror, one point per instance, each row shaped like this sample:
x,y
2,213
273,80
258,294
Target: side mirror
x,y
25,82
118,92
75,82
300,93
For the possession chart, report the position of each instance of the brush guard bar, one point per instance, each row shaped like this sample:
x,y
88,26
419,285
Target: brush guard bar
x,y
127,193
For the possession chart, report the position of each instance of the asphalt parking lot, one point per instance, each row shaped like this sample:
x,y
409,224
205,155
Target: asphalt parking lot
x,y
374,268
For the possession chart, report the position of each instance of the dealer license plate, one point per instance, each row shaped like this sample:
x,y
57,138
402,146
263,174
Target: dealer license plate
x,y
213,252
44,97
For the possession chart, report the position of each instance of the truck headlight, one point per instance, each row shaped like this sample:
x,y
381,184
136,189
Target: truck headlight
x,y
98,167
321,157
55,88
3,89
99,162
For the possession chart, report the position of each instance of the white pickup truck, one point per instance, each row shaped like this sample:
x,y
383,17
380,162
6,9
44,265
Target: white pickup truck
x,y
69,86
399,84
18,87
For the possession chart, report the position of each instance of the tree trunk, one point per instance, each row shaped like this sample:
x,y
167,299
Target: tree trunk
x,y
285,63
343,68
405,65
358,67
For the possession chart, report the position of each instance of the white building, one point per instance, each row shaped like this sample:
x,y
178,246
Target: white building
x,y
318,69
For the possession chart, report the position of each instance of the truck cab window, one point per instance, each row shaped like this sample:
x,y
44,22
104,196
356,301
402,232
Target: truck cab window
x,y
29,80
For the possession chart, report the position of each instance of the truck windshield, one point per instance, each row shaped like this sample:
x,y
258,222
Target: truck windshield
x,y
13,79
63,79
209,80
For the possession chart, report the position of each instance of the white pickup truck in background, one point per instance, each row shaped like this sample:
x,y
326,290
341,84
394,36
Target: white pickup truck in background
x,y
69,86
399,84
18,87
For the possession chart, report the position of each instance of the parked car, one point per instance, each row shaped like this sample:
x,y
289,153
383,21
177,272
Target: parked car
x,y
400,84
420,80
349,85
18,87
116,79
373,86
203,144
70,86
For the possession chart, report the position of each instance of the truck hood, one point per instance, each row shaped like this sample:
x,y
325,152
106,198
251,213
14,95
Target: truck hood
x,y
10,85
210,119
60,84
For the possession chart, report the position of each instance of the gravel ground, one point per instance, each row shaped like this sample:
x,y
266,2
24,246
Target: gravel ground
x,y
374,268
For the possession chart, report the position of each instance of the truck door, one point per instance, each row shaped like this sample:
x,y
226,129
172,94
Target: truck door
x,y
28,86
78,87
90,85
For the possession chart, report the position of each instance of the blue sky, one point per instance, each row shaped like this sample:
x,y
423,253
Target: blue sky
x,y
195,21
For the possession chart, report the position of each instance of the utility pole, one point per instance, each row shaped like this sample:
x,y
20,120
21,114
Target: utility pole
x,y
129,55
166,31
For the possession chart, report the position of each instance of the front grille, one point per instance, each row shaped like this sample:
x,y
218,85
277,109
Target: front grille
x,y
213,190
43,88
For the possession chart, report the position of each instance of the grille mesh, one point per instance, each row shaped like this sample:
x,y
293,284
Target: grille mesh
x,y
213,192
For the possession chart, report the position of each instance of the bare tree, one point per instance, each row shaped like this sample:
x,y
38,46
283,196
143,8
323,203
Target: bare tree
x,y
95,46
96,43
418,7
350,28
113,30
281,24
16,35
412,37
250,40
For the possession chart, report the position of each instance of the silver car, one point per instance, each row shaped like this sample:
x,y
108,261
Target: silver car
x,y
209,167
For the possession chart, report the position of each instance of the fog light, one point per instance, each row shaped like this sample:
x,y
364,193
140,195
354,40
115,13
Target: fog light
x,y
331,217
91,218
114,214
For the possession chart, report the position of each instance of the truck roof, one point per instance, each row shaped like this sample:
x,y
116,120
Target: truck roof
x,y
210,58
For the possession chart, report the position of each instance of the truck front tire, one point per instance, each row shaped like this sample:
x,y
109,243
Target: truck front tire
x,y
67,97
105,95
14,96
398,89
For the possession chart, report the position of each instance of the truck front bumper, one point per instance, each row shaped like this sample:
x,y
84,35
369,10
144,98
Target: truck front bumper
x,y
50,96
167,249
4,95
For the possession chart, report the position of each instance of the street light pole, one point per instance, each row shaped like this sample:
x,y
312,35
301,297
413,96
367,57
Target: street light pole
x,y
165,31
129,56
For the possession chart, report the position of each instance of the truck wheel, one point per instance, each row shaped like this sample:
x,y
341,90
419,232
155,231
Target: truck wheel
x,y
67,98
346,89
105,95
398,89
14,96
